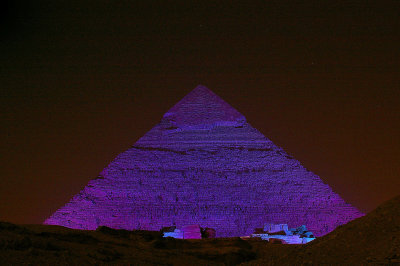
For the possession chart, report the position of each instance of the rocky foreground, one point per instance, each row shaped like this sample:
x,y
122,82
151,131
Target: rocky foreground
x,y
372,239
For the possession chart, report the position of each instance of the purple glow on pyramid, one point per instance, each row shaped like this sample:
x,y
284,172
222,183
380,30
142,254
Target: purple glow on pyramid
x,y
203,109
204,164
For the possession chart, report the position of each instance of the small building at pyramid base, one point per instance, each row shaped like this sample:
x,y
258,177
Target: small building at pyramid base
x,y
203,163
281,232
189,232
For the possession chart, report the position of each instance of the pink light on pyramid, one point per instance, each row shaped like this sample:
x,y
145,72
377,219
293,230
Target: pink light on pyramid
x,y
204,164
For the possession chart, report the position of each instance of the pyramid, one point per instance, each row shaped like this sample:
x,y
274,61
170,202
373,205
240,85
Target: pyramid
x,y
204,164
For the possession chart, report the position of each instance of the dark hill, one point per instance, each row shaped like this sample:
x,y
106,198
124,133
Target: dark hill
x,y
372,239
56,245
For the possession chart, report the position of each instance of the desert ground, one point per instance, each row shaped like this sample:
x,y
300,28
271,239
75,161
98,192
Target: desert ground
x,y
373,239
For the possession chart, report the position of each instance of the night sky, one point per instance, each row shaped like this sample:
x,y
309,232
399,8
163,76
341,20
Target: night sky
x,y
81,81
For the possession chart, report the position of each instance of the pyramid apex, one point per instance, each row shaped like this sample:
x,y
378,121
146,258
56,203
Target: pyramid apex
x,y
202,109
201,87
201,90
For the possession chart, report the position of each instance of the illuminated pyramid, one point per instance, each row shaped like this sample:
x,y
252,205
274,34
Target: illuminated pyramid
x,y
204,164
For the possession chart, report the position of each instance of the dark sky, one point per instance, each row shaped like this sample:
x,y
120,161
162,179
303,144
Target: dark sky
x,y
81,81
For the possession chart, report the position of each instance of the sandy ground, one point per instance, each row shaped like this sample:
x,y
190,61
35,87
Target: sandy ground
x,y
373,239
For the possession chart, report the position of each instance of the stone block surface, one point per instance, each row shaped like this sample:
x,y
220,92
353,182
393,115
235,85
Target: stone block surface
x,y
204,164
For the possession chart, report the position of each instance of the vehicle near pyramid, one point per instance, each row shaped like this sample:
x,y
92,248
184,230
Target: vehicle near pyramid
x,y
203,163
